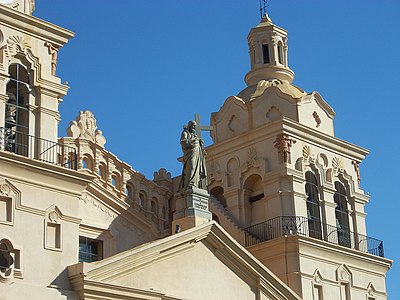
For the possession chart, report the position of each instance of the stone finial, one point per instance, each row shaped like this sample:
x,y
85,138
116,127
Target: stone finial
x,y
163,178
85,127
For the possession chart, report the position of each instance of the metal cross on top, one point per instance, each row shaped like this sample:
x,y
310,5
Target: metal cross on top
x,y
263,8
200,127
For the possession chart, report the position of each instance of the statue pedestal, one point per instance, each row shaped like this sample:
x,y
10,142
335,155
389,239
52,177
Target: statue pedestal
x,y
191,209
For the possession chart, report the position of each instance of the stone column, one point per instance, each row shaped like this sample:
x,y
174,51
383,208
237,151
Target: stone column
x,y
191,209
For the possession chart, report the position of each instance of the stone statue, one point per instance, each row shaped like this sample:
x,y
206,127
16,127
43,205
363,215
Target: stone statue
x,y
194,165
53,51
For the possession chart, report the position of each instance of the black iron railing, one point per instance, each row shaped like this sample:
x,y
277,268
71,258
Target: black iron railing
x,y
291,225
37,148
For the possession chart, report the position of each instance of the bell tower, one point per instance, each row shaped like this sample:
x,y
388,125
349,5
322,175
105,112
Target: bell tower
x,y
286,187
30,90
268,53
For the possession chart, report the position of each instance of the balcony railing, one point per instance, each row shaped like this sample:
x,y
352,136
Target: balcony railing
x,y
36,148
291,225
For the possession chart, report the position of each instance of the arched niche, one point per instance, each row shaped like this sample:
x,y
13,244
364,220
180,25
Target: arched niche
x,y
232,168
253,193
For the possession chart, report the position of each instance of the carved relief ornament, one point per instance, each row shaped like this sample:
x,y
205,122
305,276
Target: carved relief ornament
x,y
5,189
337,164
251,156
283,143
356,165
16,44
85,127
53,51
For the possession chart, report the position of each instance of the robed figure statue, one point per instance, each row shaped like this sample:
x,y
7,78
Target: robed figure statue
x,y
194,164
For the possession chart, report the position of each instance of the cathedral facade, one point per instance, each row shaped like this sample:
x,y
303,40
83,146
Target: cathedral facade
x,y
284,211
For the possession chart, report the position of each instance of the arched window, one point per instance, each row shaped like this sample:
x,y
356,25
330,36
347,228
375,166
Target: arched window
x,y
253,193
17,110
129,191
6,260
87,163
153,207
142,199
280,53
9,259
265,53
313,211
342,215
102,171
115,180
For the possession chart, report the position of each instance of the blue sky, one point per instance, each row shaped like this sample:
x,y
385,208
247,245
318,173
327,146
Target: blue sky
x,y
145,67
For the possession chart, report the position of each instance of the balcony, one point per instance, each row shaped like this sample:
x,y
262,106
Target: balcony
x,y
36,148
291,225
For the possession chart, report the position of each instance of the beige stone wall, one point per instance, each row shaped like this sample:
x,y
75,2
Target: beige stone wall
x,y
306,266
173,274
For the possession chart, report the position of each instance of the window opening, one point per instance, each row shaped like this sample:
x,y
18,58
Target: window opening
x,y
280,54
141,199
313,210
129,191
265,51
6,260
342,215
17,110
318,292
90,250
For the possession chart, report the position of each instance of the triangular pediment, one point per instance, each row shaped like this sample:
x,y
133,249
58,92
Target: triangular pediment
x,y
201,263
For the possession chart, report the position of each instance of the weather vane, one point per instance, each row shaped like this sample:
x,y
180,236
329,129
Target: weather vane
x,y
263,8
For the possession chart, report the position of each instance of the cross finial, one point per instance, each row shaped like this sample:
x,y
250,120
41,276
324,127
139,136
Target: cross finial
x,y
201,127
263,8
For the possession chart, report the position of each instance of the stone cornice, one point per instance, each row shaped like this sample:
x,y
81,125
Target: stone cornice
x,y
92,288
331,143
52,89
34,26
43,169
351,253
46,111
293,129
